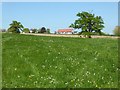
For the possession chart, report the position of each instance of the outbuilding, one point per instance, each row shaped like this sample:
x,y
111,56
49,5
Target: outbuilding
x,y
65,31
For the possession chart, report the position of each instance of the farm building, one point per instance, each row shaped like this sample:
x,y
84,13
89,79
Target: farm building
x,y
64,31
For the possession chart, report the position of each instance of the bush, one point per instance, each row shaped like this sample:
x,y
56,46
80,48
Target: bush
x,y
13,30
26,30
86,34
34,30
43,30
48,31
116,31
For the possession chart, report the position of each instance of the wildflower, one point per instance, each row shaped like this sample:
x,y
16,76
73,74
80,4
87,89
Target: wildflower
x,y
60,68
32,75
102,77
56,57
66,83
43,66
59,53
18,76
15,69
72,80
41,77
82,79
95,58
55,66
48,53
105,69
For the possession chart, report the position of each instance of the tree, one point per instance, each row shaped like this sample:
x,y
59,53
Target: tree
x,y
43,29
116,31
26,30
48,30
15,27
88,23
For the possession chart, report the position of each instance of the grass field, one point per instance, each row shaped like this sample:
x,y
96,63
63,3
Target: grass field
x,y
59,62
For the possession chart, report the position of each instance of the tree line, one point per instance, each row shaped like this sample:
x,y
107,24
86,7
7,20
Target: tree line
x,y
17,27
89,23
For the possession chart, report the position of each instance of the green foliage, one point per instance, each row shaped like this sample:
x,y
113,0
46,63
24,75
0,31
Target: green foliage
x,y
59,62
15,27
26,30
88,23
116,31
43,30
48,30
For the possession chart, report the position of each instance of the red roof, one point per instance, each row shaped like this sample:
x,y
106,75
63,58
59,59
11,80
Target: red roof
x,y
65,30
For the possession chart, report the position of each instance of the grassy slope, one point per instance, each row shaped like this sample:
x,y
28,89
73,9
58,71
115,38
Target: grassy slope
x,y
36,61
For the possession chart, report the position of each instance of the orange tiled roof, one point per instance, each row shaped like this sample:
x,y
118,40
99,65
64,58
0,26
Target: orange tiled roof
x,y
65,30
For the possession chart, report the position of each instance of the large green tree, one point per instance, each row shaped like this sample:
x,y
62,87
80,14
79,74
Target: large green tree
x,y
15,27
88,23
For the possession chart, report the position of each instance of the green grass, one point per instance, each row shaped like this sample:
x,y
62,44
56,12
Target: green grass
x,y
59,62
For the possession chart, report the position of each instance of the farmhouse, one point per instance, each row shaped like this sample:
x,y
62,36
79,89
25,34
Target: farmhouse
x,y
65,31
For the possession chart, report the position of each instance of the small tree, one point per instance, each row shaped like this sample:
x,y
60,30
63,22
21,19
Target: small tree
x,y
43,29
15,27
48,30
88,23
116,31
26,30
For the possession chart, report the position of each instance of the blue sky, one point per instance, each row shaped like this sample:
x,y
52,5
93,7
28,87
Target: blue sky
x,y
57,15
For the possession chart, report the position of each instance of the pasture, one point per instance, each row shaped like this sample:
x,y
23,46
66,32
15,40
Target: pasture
x,y
59,62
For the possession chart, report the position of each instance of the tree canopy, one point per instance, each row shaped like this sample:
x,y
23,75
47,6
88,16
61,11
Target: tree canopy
x,y
43,29
26,30
15,27
88,23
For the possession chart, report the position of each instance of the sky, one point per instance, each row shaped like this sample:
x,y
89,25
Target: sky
x,y
57,15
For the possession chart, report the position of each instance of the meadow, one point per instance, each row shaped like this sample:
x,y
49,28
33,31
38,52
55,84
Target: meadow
x,y
59,62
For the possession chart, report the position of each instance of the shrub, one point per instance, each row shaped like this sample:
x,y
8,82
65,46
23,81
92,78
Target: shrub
x,y
48,31
34,30
43,29
26,30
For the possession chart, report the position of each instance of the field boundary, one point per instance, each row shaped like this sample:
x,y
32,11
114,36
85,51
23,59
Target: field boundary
x,y
69,35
